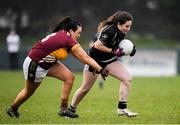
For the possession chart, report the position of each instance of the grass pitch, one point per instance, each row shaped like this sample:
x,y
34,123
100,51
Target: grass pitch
x,y
156,99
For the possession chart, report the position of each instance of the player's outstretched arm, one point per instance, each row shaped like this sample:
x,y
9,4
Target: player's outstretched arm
x,y
80,54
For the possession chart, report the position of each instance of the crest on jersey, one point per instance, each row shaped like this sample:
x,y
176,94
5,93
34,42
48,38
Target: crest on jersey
x,y
104,36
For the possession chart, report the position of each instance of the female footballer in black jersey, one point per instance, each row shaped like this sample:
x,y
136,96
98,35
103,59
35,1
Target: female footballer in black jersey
x,y
105,51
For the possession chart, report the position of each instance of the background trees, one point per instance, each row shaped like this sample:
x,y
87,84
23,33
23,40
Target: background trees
x,y
154,18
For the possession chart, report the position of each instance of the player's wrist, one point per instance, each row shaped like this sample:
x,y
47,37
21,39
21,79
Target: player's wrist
x,y
99,70
110,50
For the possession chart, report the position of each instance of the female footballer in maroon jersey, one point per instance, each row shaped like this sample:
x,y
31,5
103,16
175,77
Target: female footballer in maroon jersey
x,y
42,61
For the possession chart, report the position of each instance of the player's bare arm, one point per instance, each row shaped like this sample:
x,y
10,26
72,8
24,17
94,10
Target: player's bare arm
x,y
100,46
79,53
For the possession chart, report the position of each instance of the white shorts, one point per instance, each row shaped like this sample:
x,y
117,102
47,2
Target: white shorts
x,y
33,71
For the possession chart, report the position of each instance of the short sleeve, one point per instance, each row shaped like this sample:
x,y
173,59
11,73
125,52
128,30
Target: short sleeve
x,y
71,42
107,35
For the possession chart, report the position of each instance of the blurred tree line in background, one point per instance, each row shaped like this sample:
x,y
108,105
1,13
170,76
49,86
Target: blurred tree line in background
x,y
153,19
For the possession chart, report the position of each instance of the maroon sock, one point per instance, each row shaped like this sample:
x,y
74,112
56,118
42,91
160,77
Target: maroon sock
x,y
64,104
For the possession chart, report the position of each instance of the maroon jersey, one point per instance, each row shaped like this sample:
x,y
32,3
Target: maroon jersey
x,y
50,43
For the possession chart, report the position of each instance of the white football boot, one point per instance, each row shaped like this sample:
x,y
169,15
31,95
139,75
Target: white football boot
x,y
126,112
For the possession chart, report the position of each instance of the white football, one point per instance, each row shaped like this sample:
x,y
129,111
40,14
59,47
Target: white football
x,y
127,46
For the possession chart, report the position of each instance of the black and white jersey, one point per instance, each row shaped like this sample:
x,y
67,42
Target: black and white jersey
x,y
110,36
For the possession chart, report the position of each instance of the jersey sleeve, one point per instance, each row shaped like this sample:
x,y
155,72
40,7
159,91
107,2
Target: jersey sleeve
x,y
71,43
106,36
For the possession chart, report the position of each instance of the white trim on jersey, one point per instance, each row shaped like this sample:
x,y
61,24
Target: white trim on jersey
x,y
109,59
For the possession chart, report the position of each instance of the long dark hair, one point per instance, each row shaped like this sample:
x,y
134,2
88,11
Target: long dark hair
x,y
66,23
118,17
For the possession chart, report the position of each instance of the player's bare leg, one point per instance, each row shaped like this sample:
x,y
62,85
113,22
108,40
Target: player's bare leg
x,y
60,72
88,81
117,70
23,95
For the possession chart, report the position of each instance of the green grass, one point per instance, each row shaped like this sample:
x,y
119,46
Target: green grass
x,y
156,99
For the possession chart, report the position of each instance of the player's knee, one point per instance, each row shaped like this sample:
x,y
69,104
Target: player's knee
x,y
127,80
70,78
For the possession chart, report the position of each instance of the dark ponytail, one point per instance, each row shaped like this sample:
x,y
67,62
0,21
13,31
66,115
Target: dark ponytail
x,y
66,23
